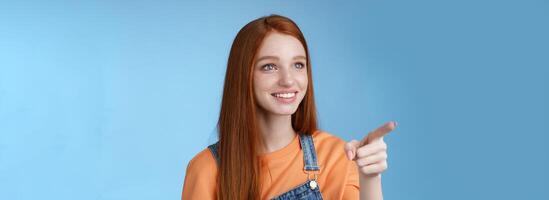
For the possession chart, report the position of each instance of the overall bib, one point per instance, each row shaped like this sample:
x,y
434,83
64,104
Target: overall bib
x,y
306,191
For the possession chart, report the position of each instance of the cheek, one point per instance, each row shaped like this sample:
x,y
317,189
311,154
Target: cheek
x,y
257,85
303,81
261,83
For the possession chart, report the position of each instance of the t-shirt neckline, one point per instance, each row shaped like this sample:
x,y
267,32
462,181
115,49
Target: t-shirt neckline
x,y
293,146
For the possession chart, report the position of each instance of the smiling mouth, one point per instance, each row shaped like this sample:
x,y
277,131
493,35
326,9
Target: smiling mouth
x,y
286,95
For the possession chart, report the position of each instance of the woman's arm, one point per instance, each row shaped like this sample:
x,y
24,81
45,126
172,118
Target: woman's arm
x,y
370,187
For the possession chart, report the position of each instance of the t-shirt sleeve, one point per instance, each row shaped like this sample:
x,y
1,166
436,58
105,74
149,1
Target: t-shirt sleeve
x,y
200,177
352,187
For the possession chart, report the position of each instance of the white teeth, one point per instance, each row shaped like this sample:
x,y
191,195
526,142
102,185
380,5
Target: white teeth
x,y
284,95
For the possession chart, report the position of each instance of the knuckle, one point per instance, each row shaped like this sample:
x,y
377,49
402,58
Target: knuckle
x,y
384,155
384,165
384,146
361,152
364,161
365,170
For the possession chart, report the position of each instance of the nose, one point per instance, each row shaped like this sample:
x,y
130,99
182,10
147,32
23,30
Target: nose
x,y
286,78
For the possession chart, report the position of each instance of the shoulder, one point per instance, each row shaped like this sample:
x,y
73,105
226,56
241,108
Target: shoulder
x,y
330,150
202,165
323,140
200,177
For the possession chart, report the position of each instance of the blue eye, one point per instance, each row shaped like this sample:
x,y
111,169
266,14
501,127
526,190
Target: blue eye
x,y
299,65
267,67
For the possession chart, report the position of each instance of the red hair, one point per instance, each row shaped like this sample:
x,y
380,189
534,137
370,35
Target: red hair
x,y
238,176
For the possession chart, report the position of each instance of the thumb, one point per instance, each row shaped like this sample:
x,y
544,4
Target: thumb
x,y
350,149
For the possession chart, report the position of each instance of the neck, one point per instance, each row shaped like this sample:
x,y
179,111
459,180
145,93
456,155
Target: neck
x,y
276,131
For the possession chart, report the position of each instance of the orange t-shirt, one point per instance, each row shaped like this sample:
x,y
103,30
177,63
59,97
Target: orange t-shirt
x,y
283,170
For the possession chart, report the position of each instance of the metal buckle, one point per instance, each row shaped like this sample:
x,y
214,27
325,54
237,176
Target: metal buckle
x,y
315,175
312,182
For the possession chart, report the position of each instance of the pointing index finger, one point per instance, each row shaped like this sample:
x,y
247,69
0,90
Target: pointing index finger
x,y
380,131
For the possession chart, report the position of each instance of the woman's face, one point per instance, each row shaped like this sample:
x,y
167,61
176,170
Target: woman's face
x,y
280,74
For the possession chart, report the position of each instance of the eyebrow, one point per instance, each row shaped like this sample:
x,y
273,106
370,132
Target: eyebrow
x,y
276,58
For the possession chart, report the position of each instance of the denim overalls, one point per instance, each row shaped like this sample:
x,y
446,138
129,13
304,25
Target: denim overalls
x,y
306,191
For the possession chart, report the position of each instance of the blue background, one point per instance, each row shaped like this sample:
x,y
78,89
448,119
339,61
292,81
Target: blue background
x,y
111,99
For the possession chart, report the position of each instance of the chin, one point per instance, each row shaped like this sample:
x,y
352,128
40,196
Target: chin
x,y
280,109
284,112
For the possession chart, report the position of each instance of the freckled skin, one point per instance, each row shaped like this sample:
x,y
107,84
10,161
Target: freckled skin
x,y
285,72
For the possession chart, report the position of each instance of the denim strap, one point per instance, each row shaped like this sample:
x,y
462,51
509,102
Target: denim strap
x,y
309,153
214,149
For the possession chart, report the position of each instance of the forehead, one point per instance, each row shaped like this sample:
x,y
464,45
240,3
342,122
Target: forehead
x,y
281,45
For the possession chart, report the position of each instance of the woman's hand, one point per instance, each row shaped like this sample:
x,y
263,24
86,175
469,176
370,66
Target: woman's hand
x,y
370,154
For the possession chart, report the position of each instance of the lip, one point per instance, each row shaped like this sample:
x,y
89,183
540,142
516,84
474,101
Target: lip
x,y
285,91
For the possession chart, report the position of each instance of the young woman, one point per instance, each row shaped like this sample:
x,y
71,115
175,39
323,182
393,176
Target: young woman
x,y
269,145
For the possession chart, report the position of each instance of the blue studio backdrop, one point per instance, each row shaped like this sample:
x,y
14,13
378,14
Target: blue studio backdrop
x,y
111,99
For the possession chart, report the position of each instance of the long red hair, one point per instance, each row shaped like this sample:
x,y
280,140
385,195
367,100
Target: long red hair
x,y
238,176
